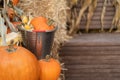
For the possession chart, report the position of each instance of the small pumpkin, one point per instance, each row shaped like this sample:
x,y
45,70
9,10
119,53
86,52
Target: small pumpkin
x,y
15,2
18,64
42,24
49,69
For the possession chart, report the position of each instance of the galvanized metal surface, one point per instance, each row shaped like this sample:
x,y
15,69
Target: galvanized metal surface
x,y
39,43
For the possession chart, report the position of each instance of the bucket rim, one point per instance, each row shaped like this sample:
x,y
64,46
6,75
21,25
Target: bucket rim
x,y
45,30
21,28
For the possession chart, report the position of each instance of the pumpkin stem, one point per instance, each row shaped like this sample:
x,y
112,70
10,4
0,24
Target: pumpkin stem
x,y
10,47
47,58
50,22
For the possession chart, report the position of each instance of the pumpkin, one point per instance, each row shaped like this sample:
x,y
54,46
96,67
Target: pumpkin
x,y
15,2
49,69
18,64
42,24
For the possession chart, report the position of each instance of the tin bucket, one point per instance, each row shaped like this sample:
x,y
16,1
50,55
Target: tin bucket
x,y
39,43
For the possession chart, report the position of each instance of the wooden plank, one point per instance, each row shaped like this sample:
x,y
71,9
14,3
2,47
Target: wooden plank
x,y
86,78
98,39
94,48
88,53
91,62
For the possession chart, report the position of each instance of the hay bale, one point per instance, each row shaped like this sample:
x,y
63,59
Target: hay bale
x,y
55,9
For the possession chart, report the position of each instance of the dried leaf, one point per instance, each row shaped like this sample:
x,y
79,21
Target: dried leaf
x,y
10,25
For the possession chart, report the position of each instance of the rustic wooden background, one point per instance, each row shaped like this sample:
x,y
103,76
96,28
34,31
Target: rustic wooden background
x,y
96,23
93,56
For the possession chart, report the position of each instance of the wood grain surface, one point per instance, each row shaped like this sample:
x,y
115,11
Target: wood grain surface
x,y
92,57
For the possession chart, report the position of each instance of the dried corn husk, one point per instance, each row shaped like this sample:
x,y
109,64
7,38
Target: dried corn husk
x,y
13,36
3,31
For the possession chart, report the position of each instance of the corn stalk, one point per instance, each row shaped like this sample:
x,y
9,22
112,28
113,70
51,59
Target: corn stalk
x,y
91,5
116,18
103,15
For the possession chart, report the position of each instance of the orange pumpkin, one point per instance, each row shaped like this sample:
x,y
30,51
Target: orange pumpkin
x,y
18,64
15,2
50,69
41,23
